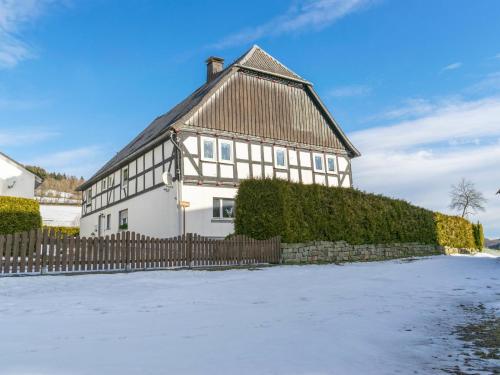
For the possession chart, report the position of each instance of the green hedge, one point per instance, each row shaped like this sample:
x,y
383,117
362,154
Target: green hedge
x,y
478,235
300,213
19,215
69,231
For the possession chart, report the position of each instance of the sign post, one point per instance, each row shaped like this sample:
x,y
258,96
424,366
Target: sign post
x,y
184,205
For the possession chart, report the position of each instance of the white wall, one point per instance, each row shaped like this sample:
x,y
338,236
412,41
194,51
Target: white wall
x,y
22,181
153,214
60,215
199,215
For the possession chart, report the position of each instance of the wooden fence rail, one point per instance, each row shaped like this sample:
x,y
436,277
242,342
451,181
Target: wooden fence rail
x,y
48,252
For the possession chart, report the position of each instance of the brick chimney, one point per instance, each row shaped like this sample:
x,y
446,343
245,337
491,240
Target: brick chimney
x,y
214,67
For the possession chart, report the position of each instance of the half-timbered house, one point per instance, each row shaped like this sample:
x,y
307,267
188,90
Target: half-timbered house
x,y
253,119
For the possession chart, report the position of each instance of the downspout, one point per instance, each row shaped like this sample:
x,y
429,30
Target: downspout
x,y
179,184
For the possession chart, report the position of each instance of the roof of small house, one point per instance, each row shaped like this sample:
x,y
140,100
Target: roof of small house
x,y
255,59
38,179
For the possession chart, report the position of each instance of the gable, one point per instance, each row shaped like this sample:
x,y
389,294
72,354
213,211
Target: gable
x,y
254,105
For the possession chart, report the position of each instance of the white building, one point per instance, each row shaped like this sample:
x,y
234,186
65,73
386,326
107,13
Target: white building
x,y
16,180
254,119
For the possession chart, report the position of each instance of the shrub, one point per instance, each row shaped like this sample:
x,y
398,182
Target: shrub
x,y
19,215
69,231
301,213
454,231
478,235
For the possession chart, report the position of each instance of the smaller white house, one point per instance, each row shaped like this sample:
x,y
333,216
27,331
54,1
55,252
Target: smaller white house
x,y
16,180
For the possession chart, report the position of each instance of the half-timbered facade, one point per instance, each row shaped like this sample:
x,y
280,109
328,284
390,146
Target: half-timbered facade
x,y
254,119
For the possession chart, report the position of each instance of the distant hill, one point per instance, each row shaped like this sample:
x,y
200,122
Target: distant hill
x,y
492,244
56,188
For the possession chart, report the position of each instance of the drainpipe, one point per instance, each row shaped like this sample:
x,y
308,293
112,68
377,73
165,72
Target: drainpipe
x,y
179,183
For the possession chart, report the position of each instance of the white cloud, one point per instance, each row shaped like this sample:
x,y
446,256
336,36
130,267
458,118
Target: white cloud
x,y
419,160
25,136
305,15
13,15
350,91
409,108
452,66
82,161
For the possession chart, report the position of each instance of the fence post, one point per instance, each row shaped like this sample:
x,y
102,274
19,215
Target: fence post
x,y
189,249
128,245
44,269
239,243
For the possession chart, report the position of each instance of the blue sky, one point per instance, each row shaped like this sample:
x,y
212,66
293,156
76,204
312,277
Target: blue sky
x,y
415,84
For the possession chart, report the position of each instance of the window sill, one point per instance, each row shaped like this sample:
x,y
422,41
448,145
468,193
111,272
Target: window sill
x,y
217,220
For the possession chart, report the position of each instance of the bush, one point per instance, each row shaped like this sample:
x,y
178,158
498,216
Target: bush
x,y
19,215
69,231
454,231
301,213
478,235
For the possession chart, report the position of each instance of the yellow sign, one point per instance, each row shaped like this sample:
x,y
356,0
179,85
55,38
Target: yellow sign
x,y
184,204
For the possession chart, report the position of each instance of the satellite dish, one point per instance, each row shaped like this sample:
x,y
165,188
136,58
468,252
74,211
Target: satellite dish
x,y
167,180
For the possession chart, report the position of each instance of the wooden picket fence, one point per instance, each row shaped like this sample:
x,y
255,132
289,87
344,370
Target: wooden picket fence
x,y
41,252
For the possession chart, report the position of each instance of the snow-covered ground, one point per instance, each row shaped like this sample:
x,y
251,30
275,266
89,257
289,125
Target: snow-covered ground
x,y
390,317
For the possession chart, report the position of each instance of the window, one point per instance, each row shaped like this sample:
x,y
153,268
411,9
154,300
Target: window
x,y
223,208
330,164
318,163
123,220
108,222
103,185
110,181
125,174
225,151
280,157
89,197
208,149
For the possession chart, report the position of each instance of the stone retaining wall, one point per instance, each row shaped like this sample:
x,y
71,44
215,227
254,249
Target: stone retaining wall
x,y
341,251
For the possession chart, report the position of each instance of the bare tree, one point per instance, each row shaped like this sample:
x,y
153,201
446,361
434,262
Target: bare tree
x,y
465,198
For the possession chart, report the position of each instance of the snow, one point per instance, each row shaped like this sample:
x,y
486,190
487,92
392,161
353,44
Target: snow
x,y
391,317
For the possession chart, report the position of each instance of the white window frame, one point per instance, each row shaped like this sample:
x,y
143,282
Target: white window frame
x,y
214,149
322,163
231,154
331,157
221,205
120,219
285,157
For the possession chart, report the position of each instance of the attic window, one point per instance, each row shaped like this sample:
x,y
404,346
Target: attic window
x,y
225,151
330,164
318,163
280,157
208,149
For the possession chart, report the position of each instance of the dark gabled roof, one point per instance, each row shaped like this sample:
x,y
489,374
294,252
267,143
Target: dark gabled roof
x,y
158,127
254,59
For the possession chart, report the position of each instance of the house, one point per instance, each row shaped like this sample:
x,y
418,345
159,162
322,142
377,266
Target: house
x,y
253,119
16,180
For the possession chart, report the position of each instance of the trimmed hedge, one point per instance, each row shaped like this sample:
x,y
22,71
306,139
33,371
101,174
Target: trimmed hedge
x,y
69,231
300,213
19,215
454,230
